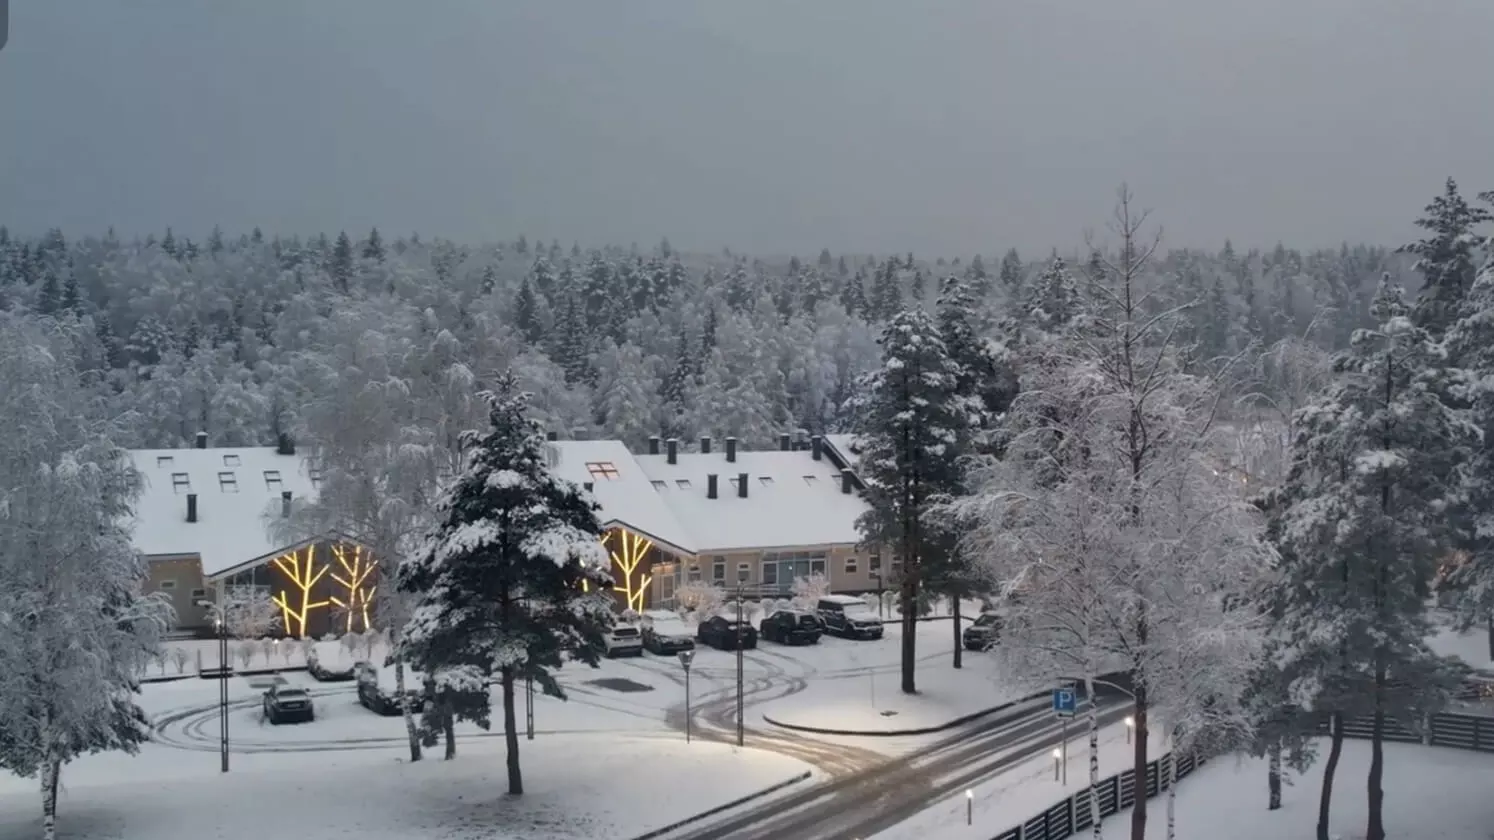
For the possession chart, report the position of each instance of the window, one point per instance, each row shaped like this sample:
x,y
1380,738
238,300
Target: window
x,y
744,572
272,480
693,573
602,469
228,482
770,574
896,564
851,565
181,482
810,480
314,474
164,460
199,594
230,460
817,566
765,480
682,483
718,570
168,585
660,485
874,563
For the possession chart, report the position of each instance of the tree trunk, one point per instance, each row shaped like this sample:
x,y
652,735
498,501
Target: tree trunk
x,y
1092,716
910,630
1172,784
1273,779
511,735
404,706
959,647
1491,636
51,771
1335,749
1138,763
1376,828
448,728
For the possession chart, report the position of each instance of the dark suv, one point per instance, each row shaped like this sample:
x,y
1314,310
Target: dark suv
x,y
984,633
849,616
791,627
379,701
724,633
283,703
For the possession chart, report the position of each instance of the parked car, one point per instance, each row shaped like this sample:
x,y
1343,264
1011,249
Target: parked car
x,y
624,640
984,633
664,633
849,616
334,672
792,627
725,633
376,699
286,703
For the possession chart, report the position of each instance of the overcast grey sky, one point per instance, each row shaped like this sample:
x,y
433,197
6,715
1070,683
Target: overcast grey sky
x,y
766,125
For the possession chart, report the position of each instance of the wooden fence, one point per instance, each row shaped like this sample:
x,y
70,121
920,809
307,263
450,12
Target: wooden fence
x,y
1070,816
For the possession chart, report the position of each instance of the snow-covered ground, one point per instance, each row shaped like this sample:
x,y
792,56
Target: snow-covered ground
x,y
1431,793
578,786
1471,647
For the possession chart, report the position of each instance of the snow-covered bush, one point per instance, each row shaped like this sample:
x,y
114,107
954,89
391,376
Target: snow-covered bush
x,y
369,640
246,650
308,650
159,658
872,600
267,649
889,601
628,616
699,597
808,590
180,658
249,612
351,642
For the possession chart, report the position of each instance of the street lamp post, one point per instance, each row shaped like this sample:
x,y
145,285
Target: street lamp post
x,y
741,712
685,657
222,629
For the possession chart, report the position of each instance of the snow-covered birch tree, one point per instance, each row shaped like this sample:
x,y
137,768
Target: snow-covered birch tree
x,y
513,576
78,629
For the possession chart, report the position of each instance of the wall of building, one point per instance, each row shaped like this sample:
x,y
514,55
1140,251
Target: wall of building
x,y
848,568
325,587
179,578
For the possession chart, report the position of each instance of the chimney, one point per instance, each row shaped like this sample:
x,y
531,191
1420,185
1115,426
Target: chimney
x,y
674,451
705,445
191,507
731,450
202,440
785,442
711,486
653,445
285,504
742,485
816,447
552,436
580,433
847,483
587,486
284,444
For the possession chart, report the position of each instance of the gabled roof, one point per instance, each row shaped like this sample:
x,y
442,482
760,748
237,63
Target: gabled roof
x,y
231,526
624,492
792,500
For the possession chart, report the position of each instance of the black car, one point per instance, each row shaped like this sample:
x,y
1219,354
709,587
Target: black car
x,y
286,703
321,672
845,615
724,633
792,627
664,633
379,701
984,633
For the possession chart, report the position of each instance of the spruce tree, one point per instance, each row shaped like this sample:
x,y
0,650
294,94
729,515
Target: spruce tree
x,y
1011,273
913,427
341,264
526,312
1363,527
72,296
886,296
987,377
1054,301
1445,257
49,299
513,577
373,248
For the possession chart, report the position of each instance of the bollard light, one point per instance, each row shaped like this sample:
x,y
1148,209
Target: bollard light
x,y
1130,724
969,807
1057,758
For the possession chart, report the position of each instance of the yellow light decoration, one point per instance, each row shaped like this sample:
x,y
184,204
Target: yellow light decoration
x,y
304,576
627,557
357,566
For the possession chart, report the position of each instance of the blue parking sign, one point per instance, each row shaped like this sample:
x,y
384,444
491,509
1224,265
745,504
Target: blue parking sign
x,y
1065,700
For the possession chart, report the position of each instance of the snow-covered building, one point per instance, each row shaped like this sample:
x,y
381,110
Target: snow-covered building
x,y
209,519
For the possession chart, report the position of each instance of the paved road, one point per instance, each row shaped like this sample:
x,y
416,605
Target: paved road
x,y
862,803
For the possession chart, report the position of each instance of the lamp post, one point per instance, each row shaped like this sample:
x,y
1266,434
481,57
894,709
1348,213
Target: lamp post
x,y
685,657
222,630
741,713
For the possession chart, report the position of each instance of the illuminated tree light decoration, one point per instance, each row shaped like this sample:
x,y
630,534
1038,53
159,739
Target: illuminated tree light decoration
x,y
627,556
357,567
295,608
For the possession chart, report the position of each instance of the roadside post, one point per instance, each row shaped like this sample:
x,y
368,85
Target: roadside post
x,y
1065,702
686,656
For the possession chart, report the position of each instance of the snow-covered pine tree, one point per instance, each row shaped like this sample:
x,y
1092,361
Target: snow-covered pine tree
x,y
501,585
1053,301
340,264
1364,523
914,426
1445,257
1470,342
78,632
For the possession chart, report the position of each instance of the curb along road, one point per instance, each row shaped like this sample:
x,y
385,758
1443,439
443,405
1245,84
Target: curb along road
x,y
1032,701
735,803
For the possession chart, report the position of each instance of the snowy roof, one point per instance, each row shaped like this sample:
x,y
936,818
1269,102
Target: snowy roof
x,y
235,488
620,486
792,500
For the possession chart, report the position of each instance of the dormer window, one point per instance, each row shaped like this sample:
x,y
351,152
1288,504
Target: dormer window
x,y
231,460
167,460
181,482
602,469
811,480
228,482
315,475
765,480
660,485
682,483
272,480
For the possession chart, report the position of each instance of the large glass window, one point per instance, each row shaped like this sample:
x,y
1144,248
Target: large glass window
x,y
782,568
